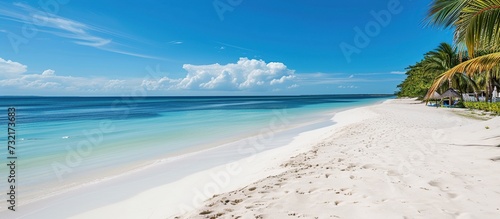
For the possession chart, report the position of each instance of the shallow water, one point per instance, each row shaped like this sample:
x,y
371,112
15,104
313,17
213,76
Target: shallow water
x,y
66,142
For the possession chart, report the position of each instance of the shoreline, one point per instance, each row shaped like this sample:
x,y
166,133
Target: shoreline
x,y
90,177
203,185
259,179
402,160
156,174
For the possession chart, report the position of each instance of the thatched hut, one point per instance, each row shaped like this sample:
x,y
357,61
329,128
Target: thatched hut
x,y
450,94
434,96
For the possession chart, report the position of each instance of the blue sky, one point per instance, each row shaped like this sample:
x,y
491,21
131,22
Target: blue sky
x,y
216,47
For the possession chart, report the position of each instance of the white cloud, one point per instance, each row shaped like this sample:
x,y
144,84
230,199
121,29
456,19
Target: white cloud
x,y
175,42
224,45
282,80
60,26
398,72
351,76
347,87
10,68
80,33
61,23
48,72
163,83
48,80
246,74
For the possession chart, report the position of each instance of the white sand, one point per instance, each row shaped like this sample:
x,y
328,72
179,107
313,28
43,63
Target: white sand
x,y
394,160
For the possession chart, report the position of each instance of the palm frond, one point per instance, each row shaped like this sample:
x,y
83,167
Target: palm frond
x,y
478,25
445,12
471,67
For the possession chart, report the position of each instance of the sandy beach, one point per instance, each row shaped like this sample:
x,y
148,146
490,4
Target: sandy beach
x,y
399,159
230,109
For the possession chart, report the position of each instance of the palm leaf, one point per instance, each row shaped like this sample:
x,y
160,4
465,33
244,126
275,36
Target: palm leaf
x,y
445,12
471,67
478,25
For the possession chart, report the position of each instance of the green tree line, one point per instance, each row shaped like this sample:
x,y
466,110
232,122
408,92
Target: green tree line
x,y
472,63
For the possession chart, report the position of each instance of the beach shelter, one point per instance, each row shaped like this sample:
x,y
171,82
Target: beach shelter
x,y
435,96
450,93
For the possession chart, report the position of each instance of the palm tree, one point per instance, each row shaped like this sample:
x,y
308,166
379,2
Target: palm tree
x,y
442,59
477,28
418,80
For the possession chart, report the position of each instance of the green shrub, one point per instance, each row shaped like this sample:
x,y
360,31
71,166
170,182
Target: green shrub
x,y
490,107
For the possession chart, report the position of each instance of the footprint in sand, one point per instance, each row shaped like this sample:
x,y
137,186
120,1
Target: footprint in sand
x,y
434,183
393,173
452,195
438,185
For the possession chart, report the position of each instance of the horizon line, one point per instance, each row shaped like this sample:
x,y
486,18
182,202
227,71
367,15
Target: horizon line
x,y
299,95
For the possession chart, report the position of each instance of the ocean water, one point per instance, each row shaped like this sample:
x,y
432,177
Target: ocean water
x,y
66,142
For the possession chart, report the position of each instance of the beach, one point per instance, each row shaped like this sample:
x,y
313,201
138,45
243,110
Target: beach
x,y
399,159
234,109
80,154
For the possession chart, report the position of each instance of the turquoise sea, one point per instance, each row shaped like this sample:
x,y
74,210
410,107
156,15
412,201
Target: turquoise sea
x,y
66,142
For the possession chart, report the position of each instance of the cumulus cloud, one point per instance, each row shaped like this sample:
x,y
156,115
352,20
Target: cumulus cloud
x,y
48,80
48,73
246,74
9,68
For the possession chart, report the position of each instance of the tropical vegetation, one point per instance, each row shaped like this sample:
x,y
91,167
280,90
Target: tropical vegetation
x,y
472,64
485,106
421,76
